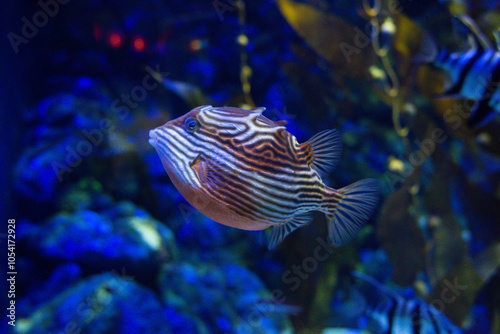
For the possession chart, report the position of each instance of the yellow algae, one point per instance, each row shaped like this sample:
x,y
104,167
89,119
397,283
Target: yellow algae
x,y
396,165
377,73
242,39
388,26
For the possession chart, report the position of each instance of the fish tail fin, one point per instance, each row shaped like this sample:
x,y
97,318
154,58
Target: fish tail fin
x,y
349,208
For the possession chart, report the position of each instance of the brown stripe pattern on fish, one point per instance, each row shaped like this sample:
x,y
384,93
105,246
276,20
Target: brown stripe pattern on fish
x,y
243,170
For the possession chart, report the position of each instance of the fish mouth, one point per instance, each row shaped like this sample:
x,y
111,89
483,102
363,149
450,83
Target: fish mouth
x,y
153,137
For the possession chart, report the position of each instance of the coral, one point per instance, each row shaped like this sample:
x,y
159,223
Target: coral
x,y
118,235
225,298
103,303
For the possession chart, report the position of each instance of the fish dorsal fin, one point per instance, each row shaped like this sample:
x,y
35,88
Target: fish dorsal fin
x,y
471,41
480,40
496,33
279,232
255,114
323,150
281,132
281,123
258,110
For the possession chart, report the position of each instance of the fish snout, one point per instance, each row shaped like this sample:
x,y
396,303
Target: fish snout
x,y
153,137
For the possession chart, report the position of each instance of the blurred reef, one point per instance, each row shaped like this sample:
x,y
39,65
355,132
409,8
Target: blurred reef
x,y
106,244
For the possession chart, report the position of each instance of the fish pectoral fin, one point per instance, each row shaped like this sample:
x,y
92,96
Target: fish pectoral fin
x,y
352,211
480,114
325,150
199,165
212,173
280,231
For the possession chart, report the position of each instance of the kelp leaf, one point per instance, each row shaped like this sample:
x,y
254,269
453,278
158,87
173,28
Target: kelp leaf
x,y
408,36
346,47
400,236
487,262
454,294
477,205
447,249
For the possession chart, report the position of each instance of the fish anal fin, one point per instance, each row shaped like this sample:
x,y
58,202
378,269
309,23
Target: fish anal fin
x,y
357,203
481,114
280,231
324,150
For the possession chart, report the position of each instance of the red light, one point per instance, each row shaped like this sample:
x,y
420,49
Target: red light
x,y
115,40
139,44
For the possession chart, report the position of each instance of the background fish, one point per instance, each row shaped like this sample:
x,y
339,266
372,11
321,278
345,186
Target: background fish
x,y
474,73
394,313
243,170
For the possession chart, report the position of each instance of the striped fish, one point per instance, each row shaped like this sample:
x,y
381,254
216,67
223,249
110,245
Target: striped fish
x,y
243,170
395,314
474,73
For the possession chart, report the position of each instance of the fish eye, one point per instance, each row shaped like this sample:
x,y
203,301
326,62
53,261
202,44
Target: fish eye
x,y
191,124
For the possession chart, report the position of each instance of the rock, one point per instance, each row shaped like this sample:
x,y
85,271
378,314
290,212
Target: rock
x,y
106,238
226,298
201,232
68,138
57,109
105,303
211,241
43,167
184,323
63,277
